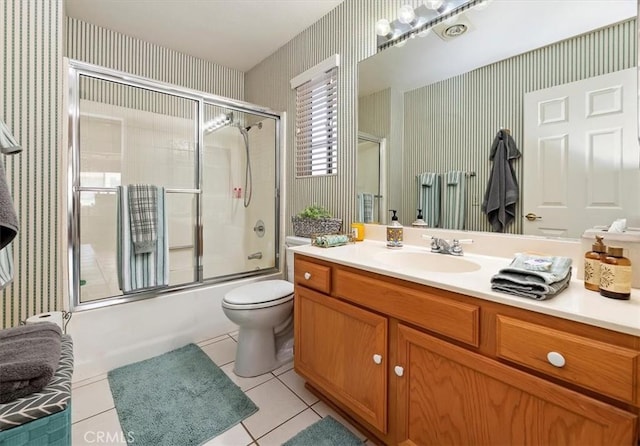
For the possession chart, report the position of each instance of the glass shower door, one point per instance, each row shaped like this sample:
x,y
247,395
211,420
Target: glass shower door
x,y
131,135
238,192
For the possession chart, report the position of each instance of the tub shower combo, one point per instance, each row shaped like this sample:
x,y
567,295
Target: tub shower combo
x,y
211,161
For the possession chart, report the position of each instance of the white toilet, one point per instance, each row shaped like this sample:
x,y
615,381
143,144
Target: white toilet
x,y
264,312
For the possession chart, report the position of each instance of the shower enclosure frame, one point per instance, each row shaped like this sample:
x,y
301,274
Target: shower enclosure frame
x,y
75,69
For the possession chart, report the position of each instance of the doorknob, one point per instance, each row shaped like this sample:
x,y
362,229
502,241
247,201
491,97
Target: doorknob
x,y
532,217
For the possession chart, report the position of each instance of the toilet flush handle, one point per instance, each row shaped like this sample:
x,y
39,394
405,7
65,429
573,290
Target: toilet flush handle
x,y
307,275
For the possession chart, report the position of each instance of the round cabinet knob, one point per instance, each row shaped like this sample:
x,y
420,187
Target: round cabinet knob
x,y
556,359
377,359
399,370
307,276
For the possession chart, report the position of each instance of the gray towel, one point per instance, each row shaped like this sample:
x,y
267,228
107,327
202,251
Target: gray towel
x,y
143,209
502,191
530,287
527,278
558,267
8,218
29,357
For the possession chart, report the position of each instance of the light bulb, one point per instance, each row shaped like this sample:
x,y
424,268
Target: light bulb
x,y
433,4
406,14
383,27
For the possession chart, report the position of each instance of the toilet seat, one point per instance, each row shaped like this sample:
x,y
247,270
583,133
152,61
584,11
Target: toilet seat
x,y
268,293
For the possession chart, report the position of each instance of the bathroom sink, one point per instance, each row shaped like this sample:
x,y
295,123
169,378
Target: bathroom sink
x,y
426,261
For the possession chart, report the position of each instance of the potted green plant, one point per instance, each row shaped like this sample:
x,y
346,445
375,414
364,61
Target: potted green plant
x,y
314,220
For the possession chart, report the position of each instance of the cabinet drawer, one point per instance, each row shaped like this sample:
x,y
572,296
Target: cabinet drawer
x,y
439,314
605,368
312,275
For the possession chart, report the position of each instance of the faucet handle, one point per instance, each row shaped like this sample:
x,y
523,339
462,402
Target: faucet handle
x,y
461,241
435,242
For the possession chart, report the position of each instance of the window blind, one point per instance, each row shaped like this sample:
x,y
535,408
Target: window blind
x,y
317,125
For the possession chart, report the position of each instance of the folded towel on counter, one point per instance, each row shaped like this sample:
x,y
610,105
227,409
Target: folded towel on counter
x,y
29,357
528,285
329,241
143,209
536,277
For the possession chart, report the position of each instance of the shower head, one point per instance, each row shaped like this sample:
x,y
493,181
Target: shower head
x,y
249,127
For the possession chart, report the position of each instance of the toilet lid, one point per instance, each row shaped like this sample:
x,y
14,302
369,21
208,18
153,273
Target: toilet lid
x,y
259,292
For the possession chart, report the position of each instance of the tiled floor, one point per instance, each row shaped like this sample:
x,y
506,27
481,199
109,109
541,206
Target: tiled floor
x,y
285,406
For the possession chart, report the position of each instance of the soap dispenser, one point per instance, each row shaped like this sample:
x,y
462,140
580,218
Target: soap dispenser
x,y
592,261
420,223
394,232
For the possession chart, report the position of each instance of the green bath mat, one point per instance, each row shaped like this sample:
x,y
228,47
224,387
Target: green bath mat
x,y
178,398
326,432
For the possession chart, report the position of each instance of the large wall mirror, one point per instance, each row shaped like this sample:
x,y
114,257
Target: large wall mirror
x,y
560,76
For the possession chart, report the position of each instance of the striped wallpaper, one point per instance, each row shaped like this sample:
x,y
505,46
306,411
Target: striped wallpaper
x,y
31,77
32,50
481,101
349,31
30,80
93,44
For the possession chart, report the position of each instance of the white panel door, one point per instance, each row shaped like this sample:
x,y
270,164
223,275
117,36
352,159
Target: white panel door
x,y
581,155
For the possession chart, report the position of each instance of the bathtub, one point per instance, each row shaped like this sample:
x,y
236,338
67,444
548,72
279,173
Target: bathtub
x,y
110,337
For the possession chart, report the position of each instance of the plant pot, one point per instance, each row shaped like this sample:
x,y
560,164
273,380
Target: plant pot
x,y
306,227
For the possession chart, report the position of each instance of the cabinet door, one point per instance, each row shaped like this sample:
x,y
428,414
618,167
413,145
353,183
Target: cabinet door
x,y
343,350
450,396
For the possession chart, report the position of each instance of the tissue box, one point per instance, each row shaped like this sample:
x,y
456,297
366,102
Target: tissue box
x,y
629,241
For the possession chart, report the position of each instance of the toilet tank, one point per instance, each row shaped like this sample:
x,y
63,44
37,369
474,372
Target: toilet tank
x,y
291,241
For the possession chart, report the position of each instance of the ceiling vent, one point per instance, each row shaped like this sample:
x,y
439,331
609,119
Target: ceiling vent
x,y
452,28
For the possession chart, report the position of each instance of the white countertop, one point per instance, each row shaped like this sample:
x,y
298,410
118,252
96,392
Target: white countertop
x,y
574,303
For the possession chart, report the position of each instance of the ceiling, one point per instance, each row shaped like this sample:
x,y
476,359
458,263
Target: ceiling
x,y
234,33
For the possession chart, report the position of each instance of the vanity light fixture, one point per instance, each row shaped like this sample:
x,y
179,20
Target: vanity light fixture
x,y
418,22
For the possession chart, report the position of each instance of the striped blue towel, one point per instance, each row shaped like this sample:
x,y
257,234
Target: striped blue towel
x,y
455,200
143,211
367,199
6,265
147,270
429,197
365,208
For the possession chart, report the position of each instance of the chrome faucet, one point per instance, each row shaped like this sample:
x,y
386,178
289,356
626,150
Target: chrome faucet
x,y
443,246
255,255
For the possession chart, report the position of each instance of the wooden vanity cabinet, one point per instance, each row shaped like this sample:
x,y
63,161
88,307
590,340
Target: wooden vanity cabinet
x,y
460,382
448,395
342,349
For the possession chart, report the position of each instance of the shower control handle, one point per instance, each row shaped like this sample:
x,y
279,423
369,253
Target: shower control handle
x,y
259,228
307,275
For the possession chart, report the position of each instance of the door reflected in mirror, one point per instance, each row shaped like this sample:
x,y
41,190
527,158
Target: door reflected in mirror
x,y
439,105
370,187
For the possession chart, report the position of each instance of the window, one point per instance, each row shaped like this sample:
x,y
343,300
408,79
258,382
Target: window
x,y
316,119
